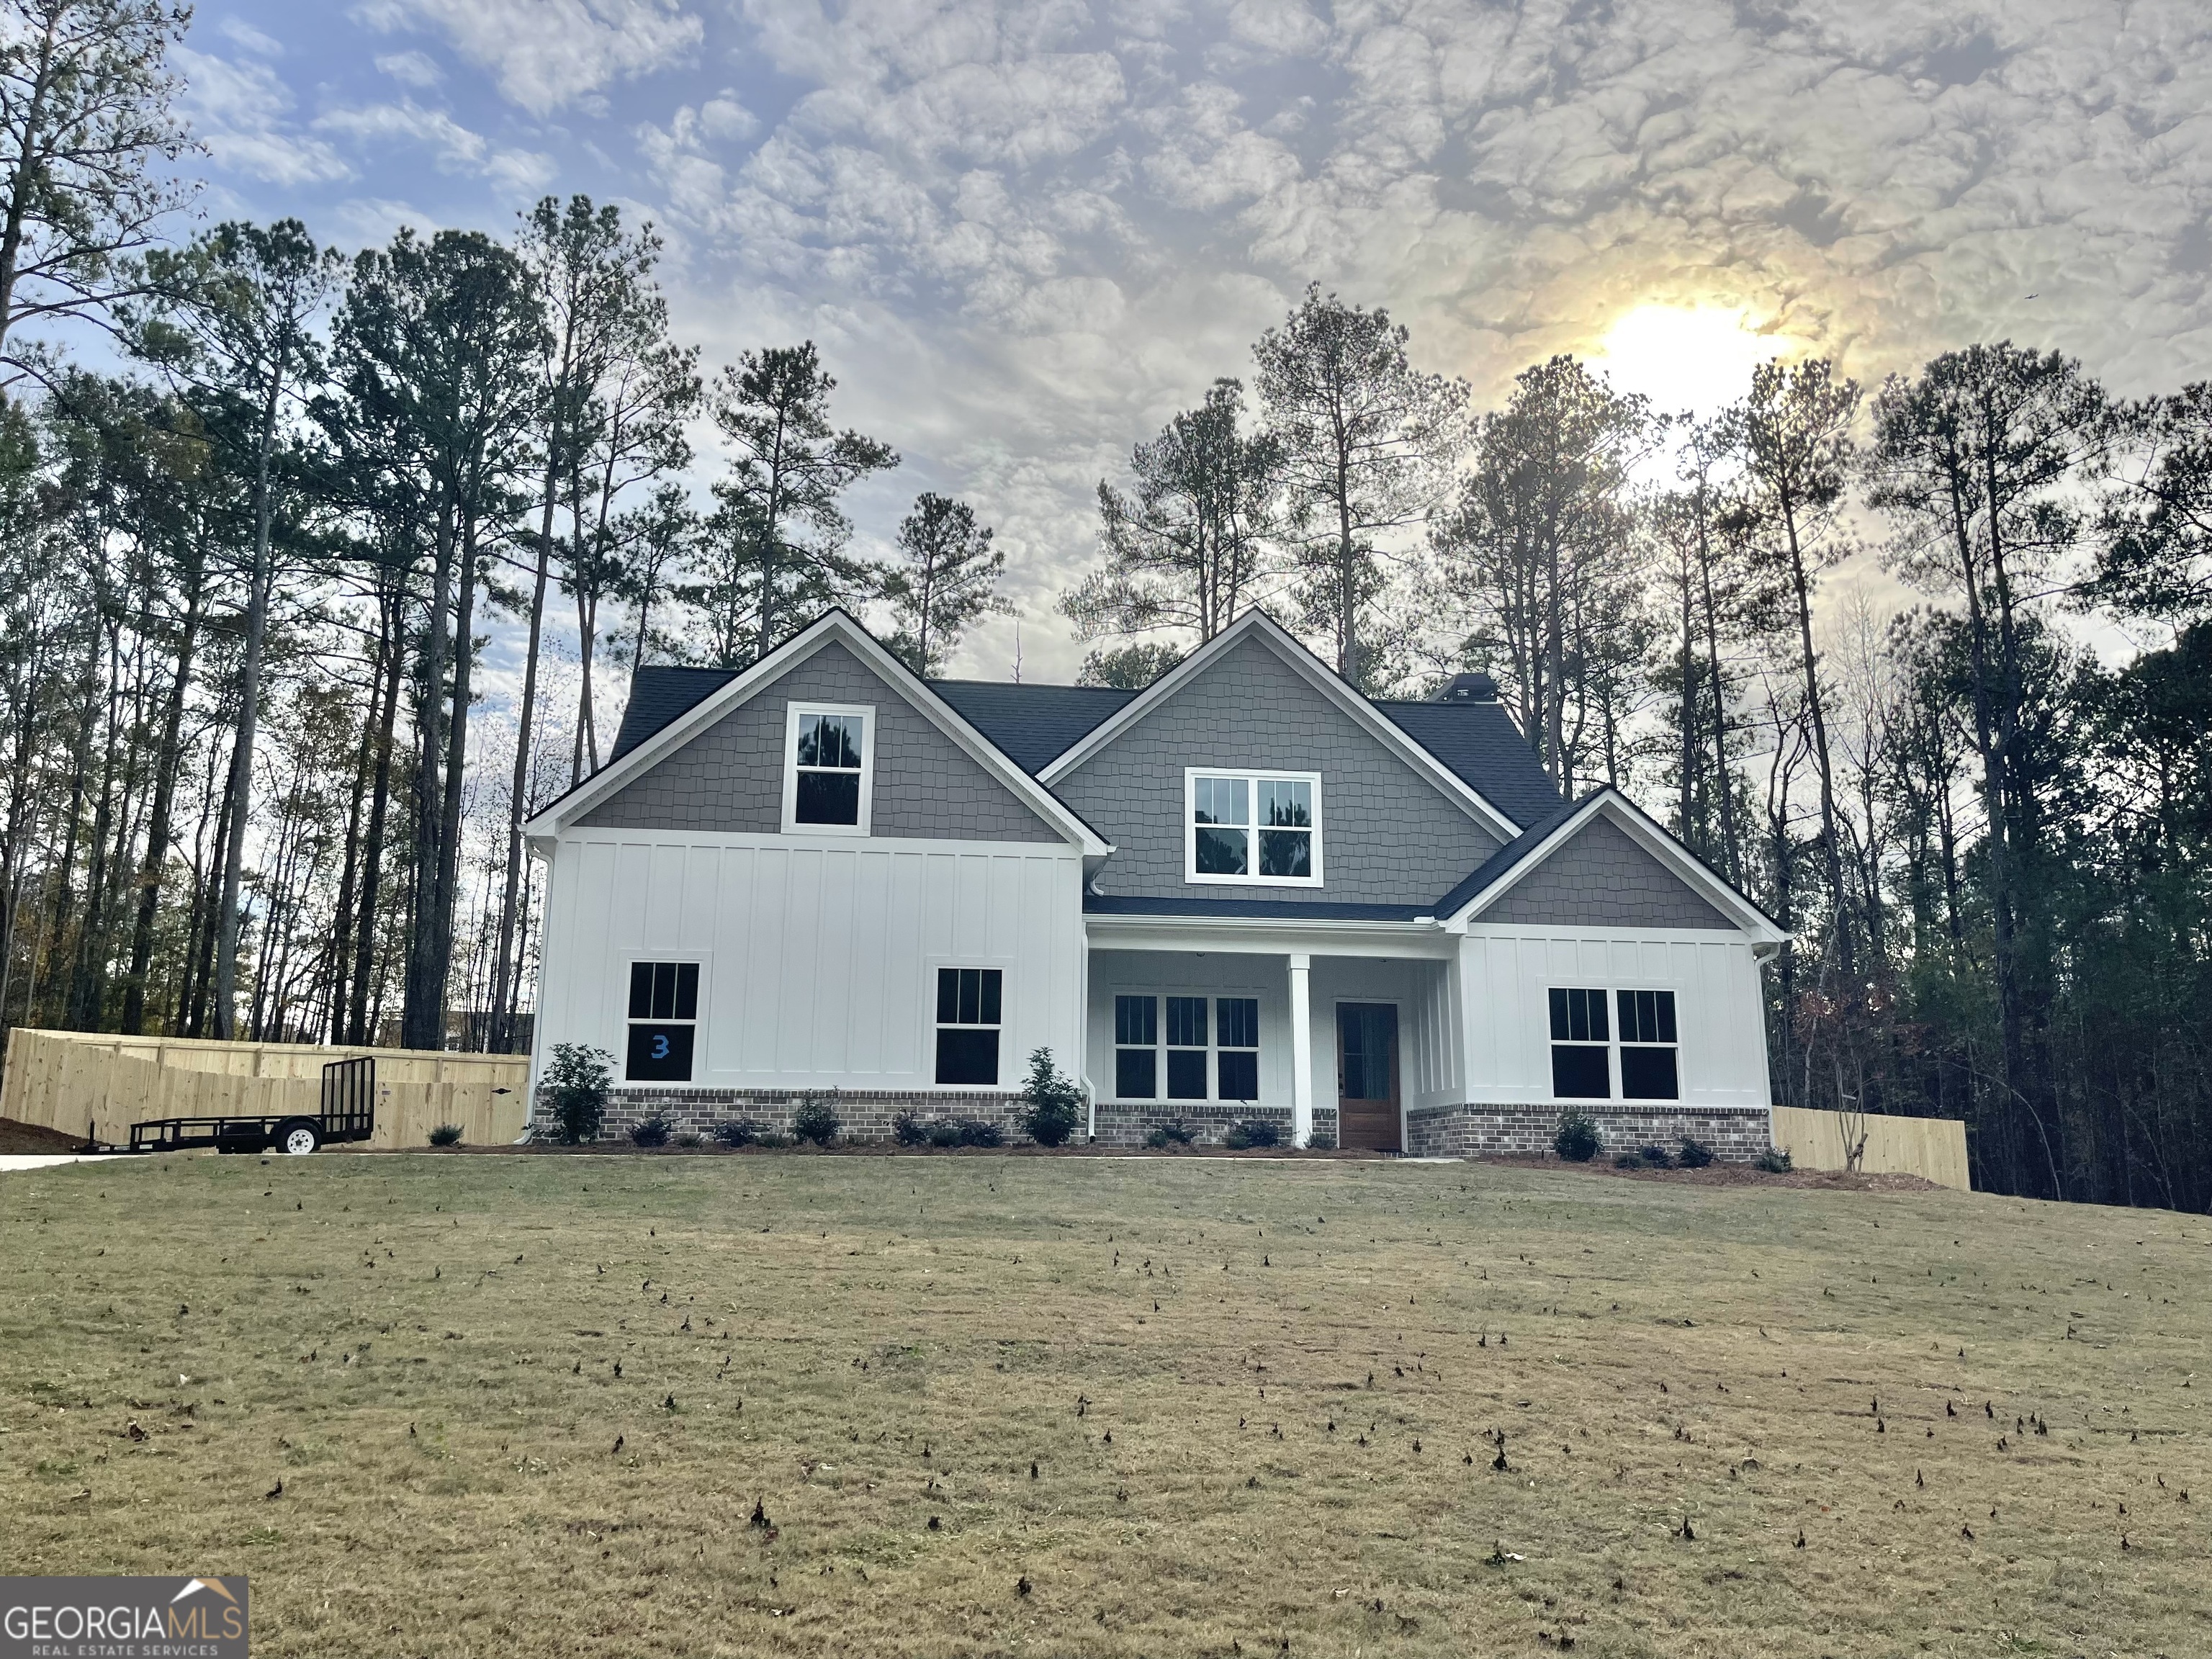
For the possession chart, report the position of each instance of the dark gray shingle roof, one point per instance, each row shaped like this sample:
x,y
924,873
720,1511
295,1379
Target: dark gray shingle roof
x,y
1031,723
1483,747
659,694
1510,854
1114,905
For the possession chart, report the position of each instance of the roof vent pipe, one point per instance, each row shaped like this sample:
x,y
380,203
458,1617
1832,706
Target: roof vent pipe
x,y
1469,688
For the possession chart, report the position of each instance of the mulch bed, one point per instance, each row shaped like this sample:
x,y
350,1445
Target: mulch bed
x,y
888,1149
20,1138
1737,1174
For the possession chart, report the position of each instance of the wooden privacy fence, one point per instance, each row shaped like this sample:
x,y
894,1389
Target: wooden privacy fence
x,y
68,1080
1933,1148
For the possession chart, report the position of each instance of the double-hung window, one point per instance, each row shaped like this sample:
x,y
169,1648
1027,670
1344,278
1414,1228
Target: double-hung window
x,y
1186,1047
829,767
1589,1049
1263,828
664,1022
1647,1046
968,1022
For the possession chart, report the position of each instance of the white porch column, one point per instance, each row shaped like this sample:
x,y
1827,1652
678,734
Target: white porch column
x,y
1301,1086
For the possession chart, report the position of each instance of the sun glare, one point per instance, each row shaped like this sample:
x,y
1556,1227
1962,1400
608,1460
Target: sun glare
x,y
1686,358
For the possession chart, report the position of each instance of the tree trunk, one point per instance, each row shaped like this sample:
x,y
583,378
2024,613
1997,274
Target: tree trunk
x,y
165,783
393,632
422,1018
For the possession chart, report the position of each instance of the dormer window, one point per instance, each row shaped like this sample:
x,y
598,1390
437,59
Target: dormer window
x,y
1258,828
828,765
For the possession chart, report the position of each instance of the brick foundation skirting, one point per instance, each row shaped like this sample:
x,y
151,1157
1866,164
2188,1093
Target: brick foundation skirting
x,y
1127,1124
1736,1134
862,1115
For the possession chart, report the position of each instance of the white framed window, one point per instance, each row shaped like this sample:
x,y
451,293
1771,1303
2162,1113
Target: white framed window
x,y
970,1007
1186,1048
1260,829
828,767
662,1024
1591,1052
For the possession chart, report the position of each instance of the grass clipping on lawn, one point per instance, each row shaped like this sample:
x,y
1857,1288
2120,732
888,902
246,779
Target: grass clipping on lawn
x,y
1005,1405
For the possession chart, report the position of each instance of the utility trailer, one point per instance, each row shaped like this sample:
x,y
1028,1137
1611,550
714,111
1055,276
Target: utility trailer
x,y
348,1113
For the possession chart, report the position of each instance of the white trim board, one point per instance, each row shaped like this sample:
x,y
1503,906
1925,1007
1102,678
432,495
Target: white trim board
x,y
832,626
1257,624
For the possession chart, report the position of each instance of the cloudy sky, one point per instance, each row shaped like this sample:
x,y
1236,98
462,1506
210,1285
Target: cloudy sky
x,y
1024,234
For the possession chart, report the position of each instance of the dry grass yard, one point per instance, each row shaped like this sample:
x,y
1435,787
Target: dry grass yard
x,y
527,1406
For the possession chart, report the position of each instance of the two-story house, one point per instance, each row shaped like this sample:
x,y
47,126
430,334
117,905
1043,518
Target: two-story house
x,y
1246,891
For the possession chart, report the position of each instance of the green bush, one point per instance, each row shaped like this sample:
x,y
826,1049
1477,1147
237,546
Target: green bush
x,y
1252,1132
1174,1132
446,1134
736,1132
1577,1140
1627,1161
816,1120
945,1132
1774,1161
1321,1140
1052,1104
578,1080
1694,1155
908,1130
1656,1158
654,1132
689,1140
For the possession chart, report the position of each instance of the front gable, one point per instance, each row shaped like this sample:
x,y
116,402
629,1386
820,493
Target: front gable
x,y
1599,878
1391,834
728,777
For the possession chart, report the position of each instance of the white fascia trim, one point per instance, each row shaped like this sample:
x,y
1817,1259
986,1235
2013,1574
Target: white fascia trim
x,y
1316,674
1420,940
1654,840
837,626
770,842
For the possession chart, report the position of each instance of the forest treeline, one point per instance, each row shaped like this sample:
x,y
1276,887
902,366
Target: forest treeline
x,y
259,560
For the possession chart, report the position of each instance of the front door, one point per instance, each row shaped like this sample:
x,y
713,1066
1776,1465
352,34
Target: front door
x,y
1367,1076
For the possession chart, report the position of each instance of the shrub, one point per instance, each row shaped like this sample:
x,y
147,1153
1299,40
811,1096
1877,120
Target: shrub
x,y
945,1132
908,1130
980,1132
1656,1158
1577,1140
577,1080
770,1138
689,1140
1774,1161
1174,1132
737,1131
816,1120
1694,1155
1156,1138
1252,1132
654,1132
1052,1104
1321,1140
446,1134
1627,1161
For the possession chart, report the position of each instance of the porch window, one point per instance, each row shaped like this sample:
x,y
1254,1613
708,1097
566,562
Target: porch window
x,y
1136,1047
1236,1061
1582,1056
829,753
1261,828
1186,1045
967,1005
1647,1046
1198,1048
664,1022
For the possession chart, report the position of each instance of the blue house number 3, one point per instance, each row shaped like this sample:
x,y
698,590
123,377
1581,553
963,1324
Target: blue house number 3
x,y
660,1048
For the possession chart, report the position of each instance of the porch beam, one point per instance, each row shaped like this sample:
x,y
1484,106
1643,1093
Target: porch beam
x,y
1302,1079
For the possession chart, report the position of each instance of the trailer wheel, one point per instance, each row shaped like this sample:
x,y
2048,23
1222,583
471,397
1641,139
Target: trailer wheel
x,y
298,1136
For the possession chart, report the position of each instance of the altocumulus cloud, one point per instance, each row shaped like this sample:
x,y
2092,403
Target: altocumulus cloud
x,y
1024,234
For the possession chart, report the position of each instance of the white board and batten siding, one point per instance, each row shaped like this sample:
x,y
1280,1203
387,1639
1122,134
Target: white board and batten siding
x,y
1506,974
817,954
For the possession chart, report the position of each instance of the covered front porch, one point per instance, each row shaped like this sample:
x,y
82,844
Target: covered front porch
x,y
1334,1036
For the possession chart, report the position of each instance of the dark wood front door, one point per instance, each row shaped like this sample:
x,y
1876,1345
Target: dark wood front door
x,y
1367,1076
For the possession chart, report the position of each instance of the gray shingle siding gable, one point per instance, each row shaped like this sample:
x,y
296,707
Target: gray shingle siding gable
x,y
1389,836
730,777
1600,879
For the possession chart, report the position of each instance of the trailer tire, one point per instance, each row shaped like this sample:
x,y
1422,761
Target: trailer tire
x,y
298,1136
